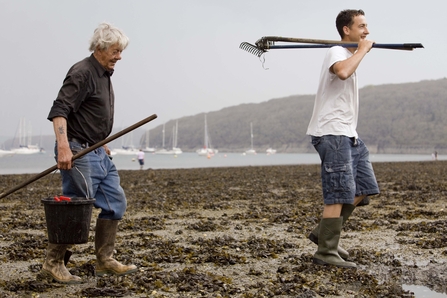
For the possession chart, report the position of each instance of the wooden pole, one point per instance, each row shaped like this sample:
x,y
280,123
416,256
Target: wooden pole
x,y
80,154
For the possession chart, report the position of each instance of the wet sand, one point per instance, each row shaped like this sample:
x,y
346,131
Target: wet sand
x,y
240,232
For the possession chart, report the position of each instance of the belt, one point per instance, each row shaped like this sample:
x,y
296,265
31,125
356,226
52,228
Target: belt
x,y
84,144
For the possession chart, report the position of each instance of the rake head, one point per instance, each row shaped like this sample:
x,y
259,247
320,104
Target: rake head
x,y
261,46
252,49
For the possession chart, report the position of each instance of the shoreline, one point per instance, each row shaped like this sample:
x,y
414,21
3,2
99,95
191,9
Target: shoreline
x,y
34,164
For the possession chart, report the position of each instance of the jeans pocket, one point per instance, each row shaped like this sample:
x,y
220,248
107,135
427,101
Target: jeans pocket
x,y
75,148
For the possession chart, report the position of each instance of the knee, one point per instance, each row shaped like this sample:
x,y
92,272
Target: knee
x,y
120,210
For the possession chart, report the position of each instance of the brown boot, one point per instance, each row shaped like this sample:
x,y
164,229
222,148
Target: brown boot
x,y
105,236
54,265
328,237
346,211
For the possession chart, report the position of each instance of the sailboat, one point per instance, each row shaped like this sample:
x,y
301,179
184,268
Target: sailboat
x,y
207,150
25,146
175,150
251,151
126,149
148,149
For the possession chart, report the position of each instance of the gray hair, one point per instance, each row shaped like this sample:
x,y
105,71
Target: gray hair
x,y
107,35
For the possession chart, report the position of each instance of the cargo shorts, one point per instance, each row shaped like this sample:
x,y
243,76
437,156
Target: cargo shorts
x,y
346,171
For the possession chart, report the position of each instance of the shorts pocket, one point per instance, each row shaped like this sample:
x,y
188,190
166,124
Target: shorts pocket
x,y
338,177
315,141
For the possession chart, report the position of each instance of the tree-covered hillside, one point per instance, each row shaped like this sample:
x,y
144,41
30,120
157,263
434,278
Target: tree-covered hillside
x,y
394,118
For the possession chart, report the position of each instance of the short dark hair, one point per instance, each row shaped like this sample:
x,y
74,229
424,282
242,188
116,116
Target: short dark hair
x,y
346,18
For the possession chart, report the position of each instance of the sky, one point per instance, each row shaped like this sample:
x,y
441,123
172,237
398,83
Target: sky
x,y
184,57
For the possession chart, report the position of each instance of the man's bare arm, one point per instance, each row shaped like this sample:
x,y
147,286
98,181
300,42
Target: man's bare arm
x,y
64,156
344,69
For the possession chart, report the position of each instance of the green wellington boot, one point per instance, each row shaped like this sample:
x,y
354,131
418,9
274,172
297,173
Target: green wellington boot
x,y
346,211
105,236
328,237
54,266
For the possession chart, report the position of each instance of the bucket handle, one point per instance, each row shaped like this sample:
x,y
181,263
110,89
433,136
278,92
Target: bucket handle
x,y
83,177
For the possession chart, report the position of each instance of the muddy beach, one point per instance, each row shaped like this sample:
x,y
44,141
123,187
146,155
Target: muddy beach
x,y
239,232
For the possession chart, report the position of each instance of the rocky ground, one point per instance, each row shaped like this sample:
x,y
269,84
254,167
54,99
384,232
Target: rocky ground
x,y
239,232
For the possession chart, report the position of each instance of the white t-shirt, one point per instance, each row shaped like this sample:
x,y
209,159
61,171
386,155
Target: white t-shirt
x,y
337,101
140,154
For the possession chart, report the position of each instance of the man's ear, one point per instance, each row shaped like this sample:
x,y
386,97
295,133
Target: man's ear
x,y
98,49
346,30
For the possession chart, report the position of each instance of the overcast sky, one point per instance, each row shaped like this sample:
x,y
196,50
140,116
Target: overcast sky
x,y
184,58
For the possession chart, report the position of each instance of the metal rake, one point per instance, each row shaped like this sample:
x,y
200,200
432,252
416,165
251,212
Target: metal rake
x,y
268,43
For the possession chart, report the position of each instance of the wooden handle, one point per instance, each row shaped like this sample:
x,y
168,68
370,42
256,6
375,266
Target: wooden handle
x,y
80,154
303,40
266,42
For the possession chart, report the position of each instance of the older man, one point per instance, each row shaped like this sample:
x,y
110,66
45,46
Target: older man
x,y
82,115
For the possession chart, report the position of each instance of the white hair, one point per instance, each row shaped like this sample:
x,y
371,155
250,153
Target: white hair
x,y
107,35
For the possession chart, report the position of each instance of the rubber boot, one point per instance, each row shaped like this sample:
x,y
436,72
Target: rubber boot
x,y
54,265
328,237
105,236
364,202
346,211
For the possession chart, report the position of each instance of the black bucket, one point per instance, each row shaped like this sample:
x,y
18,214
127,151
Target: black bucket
x,y
68,222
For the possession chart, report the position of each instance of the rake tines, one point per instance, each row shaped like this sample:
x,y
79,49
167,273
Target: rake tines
x,y
252,49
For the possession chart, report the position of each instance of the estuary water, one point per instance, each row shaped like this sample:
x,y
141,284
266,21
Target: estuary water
x,y
36,163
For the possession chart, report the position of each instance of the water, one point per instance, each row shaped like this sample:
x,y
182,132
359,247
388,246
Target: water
x,y
36,163
423,292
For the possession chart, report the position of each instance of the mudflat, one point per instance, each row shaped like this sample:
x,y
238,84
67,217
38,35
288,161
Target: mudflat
x,y
239,232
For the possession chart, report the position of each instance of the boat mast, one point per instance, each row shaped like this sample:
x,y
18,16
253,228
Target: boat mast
x,y
251,132
176,133
163,146
206,134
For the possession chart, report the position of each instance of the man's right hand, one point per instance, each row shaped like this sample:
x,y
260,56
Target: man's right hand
x,y
365,45
64,158
64,154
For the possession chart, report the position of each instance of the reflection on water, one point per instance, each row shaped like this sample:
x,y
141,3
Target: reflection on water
x,y
423,292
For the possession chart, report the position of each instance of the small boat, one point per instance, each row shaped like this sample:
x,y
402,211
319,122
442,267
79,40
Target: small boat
x,y
26,149
251,151
25,138
148,149
207,150
126,149
175,150
270,151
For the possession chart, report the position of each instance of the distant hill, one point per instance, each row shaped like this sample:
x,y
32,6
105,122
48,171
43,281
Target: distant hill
x,y
394,118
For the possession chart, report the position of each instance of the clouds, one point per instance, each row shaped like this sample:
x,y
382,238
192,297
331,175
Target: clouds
x,y
184,56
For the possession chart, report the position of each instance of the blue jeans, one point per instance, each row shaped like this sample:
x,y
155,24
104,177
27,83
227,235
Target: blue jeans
x,y
346,171
95,176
